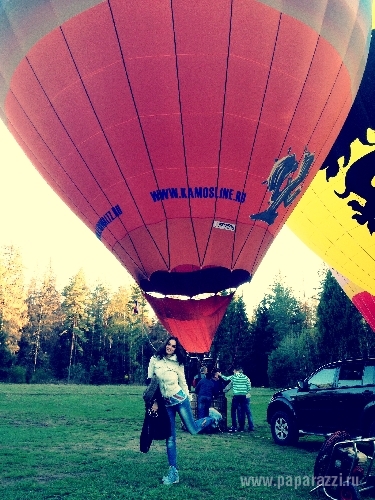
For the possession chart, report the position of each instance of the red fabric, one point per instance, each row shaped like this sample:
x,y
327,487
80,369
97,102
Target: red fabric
x,y
365,303
107,119
155,120
193,322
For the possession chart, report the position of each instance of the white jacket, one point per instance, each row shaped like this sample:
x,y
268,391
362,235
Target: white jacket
x,y
170,375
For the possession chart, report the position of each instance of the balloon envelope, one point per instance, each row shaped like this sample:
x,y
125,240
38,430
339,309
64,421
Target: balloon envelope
x,y
197,319
364,301
336,216
182,133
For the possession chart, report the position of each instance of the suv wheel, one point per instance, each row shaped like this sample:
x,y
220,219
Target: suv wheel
x,y
283,428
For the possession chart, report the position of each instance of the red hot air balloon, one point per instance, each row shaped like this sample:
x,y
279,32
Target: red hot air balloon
x,y
181,132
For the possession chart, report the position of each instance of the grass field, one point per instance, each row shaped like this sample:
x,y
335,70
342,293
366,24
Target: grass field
x,y
74,442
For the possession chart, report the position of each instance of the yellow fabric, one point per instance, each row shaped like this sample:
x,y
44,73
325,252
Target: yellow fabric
x,y
323,221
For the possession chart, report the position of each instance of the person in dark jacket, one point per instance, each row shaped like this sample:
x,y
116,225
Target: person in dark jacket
x,y
202,374
219,383
205,392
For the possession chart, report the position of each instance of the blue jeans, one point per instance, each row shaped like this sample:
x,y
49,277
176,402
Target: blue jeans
x,y
248,414
238,406
193,426
204,403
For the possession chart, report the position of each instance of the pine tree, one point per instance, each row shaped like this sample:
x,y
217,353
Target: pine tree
x,y
278,320
40,334
75,306
117,332
52,315
232,337
367,341
262,343
6,357
13,306
98,341
286,314
294,353
340,325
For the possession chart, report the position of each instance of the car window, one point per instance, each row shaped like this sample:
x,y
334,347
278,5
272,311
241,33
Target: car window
x,y
350,376
368,376
323,379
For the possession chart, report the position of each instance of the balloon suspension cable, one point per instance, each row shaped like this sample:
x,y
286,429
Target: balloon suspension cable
x,y
136,311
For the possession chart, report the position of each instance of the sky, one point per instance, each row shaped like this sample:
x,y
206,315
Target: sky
x,y
47,233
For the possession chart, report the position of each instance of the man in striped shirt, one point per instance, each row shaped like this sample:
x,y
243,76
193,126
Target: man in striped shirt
x,y
241,386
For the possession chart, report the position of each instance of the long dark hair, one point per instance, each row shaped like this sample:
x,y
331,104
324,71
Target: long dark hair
x,y
179,351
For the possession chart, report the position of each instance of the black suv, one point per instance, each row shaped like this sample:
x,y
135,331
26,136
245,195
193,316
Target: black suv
x,y
337,396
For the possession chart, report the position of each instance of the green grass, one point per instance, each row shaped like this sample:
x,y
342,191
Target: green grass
x,y
82,443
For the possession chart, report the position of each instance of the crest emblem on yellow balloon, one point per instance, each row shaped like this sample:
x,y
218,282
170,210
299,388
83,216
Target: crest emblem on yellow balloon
x,y
336,216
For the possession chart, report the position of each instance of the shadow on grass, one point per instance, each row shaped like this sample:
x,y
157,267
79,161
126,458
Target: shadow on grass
x,y
310,446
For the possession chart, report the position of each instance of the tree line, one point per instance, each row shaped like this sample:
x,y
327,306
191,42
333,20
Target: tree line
x,y
97,336
79,335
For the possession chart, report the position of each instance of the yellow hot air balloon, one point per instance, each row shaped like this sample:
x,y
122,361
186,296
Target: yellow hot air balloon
x,y
337,222
336,215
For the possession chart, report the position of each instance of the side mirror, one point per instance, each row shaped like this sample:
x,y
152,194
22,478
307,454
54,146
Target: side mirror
x,y
303,385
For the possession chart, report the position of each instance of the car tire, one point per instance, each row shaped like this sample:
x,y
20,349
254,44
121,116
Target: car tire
x,y
348,492
283,428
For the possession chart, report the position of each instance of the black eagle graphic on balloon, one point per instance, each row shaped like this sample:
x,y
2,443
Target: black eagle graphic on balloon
x,y
282,185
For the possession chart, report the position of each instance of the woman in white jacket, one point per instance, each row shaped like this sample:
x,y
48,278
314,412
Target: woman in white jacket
x,y
168,367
